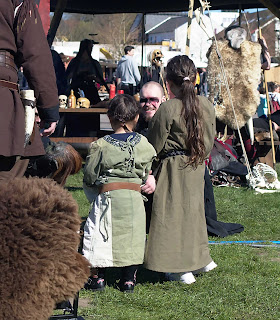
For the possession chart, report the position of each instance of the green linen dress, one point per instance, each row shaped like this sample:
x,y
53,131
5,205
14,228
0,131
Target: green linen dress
x,y
114,233
178,240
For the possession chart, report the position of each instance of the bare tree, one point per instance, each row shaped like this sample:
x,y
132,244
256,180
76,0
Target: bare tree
x,y
114,30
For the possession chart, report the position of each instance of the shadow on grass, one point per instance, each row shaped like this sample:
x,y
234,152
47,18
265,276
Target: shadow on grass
x,y
143,276
74,188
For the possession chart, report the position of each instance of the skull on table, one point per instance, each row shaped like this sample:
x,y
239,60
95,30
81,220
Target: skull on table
x,y
62,101
83,103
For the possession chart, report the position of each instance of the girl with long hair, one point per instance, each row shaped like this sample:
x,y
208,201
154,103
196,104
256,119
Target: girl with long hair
x,y
182,132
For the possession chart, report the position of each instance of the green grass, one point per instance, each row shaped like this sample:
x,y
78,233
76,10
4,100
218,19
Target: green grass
x,y
244,286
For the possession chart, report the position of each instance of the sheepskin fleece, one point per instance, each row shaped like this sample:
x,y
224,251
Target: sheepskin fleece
x,y
39,238
243,71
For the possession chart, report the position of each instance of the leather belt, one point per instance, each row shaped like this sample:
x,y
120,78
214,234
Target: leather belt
x,y
120,185
174,153
7,60
9,85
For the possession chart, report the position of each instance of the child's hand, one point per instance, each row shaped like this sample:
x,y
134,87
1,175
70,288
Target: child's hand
x,y
150,185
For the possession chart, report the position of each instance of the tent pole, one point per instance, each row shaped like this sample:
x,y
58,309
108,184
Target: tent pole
x,y
269,120
240,14
189,25
272,7
268,108
143,43
60,6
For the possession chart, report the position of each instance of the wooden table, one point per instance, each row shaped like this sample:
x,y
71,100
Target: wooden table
x,y
80,122
84,110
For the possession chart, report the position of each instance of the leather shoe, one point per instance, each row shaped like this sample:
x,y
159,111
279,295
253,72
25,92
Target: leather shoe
x,y
95,284
127,286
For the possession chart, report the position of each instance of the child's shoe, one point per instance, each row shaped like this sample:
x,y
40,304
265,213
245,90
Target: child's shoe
x,y
127,286
95,284
210,266
186,277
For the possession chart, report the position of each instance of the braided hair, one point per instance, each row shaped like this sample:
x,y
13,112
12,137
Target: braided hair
x,y
123,108
181,75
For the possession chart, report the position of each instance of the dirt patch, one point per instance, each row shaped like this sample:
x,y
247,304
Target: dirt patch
x,y
263,253
84,302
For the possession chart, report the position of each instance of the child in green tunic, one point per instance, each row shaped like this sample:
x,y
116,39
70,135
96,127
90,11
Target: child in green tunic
x,y
116,167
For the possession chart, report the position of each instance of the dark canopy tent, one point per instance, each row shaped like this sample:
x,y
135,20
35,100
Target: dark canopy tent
x,y
147,6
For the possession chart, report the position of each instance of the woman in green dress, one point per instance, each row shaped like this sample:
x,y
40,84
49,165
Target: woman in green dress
x,y
182,132
116,167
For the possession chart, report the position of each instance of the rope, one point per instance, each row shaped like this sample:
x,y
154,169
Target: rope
x,y
229,94
164,87
267,101
247,23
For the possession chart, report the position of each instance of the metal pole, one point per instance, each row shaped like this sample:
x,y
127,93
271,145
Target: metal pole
x,y
60,6
143,43
240,14
190,15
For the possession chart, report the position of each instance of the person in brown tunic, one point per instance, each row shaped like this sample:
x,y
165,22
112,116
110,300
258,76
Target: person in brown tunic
x,y
182,132
23,43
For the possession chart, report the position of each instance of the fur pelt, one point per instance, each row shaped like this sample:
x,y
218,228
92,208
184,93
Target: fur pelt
x,y
243,71
39,239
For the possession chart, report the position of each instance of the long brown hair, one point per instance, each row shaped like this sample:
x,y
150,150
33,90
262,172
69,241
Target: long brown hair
x,y
181,75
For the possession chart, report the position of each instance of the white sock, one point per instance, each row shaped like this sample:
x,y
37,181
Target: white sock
x,y
210,266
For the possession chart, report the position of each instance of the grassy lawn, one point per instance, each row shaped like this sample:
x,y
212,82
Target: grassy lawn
x,y
244,286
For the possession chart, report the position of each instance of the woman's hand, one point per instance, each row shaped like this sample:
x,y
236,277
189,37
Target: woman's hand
x,y
150,185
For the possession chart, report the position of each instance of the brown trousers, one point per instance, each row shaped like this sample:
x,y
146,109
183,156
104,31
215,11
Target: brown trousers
x,y
12,167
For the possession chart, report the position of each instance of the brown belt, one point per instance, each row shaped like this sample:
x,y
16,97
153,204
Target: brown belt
x,y
120,185
7,60
9,85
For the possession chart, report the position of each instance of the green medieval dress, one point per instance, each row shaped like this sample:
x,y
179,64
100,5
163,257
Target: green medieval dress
x,y
178,240
114,233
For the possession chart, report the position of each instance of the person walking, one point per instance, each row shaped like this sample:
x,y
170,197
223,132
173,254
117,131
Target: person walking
x,y
127,74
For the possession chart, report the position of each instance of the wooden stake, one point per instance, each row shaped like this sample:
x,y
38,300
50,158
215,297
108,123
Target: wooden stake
x,y
190,15
142,44
269,112
269,120
164,87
